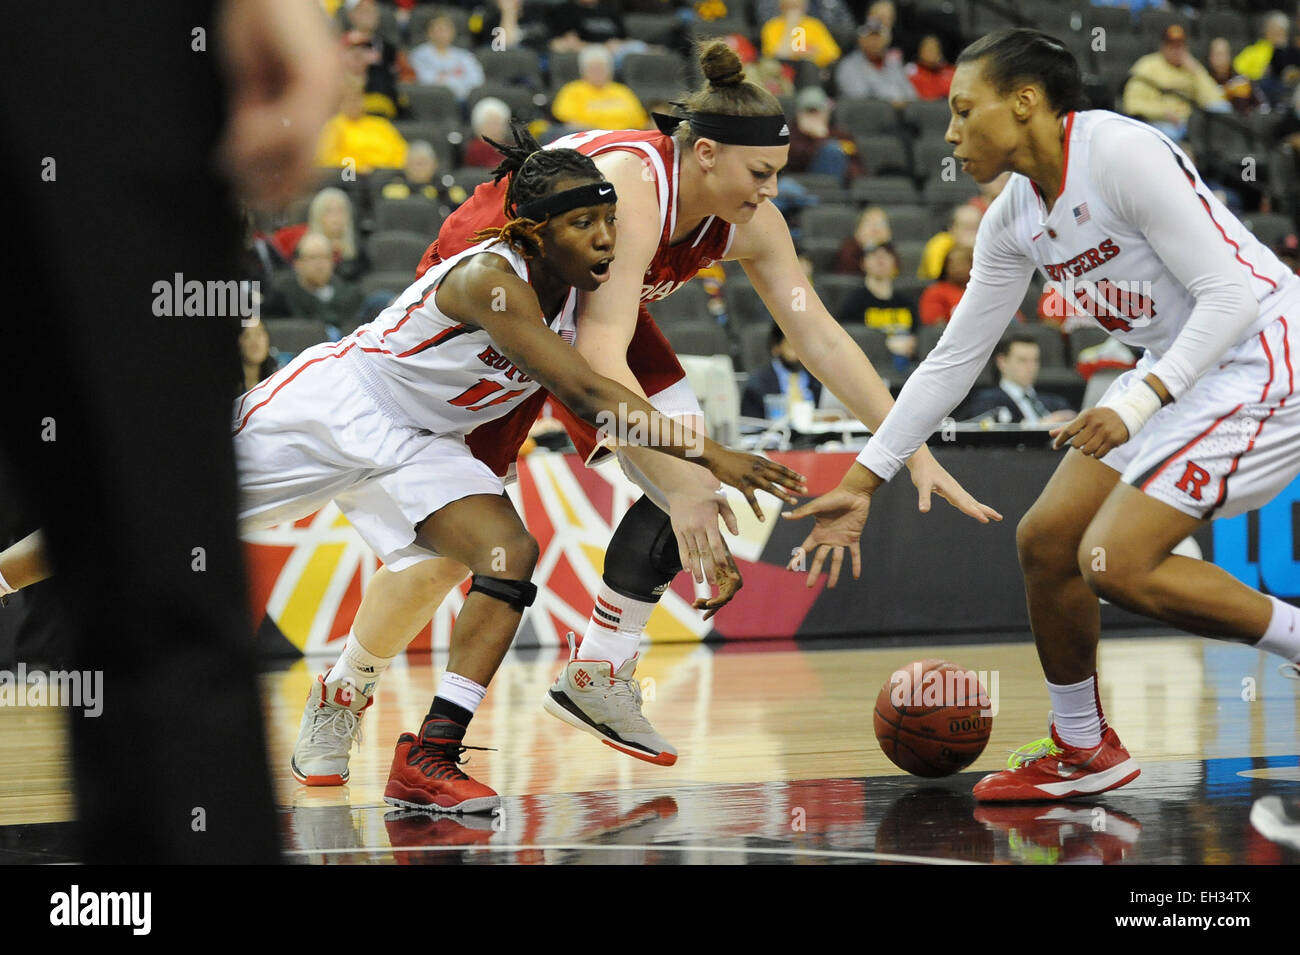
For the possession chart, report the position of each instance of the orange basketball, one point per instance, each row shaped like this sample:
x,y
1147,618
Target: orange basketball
x,y
933,718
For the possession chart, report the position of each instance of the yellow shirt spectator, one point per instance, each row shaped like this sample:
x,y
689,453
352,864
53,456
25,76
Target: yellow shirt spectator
x,y
609,106
1253,61
808,39
1143,96
370,141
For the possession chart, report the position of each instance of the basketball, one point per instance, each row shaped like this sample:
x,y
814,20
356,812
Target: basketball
x,y
932,718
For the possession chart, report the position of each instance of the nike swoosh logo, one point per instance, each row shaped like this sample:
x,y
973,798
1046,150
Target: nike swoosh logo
x,y
604,192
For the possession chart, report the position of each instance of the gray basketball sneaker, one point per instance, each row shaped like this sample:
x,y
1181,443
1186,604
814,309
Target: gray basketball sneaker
x,y
331,720
591,696
1277,818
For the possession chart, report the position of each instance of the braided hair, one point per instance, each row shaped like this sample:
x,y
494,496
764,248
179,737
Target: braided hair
x,y
533,171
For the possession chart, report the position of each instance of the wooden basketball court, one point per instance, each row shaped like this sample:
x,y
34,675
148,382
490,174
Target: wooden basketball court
x,y
778,763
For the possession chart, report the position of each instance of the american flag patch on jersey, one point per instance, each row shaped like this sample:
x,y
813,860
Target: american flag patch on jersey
x,y
1081,214
569,335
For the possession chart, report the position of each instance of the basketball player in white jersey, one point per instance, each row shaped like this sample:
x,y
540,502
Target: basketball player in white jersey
x,y
1205,426
376,423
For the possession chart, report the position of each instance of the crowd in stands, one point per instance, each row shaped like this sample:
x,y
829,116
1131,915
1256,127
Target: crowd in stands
x,y
864,84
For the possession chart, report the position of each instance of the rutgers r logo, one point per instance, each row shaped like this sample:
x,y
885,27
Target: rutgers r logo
x,y
1193,480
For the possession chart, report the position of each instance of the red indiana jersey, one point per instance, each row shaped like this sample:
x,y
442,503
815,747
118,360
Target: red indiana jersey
x,y
649,356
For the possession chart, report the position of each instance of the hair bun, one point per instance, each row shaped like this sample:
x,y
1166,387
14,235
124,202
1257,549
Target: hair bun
x,y
721,65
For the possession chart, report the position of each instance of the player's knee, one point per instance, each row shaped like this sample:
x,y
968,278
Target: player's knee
x,y
1042,545
514,556
1106,572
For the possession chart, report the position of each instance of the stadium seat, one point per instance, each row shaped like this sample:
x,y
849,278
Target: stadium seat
x,y
1085,336
884,190
520,99
754,352
690,303
516,66
744,306
928,118
291,335
468,178
661,69
396,251
860,115
828,222
883,154
941,193
872,343
913,223
697,338
713,379
821,252
1051,343
411,215
394,281
435,103
825,187
1152,23
834,289
561,67
652,28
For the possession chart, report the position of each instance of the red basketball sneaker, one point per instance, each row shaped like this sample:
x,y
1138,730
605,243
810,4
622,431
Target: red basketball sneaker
x,y
1048,769
426,775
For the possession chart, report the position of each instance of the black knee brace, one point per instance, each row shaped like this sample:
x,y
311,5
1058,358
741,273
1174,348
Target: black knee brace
x,y
642,557
517,593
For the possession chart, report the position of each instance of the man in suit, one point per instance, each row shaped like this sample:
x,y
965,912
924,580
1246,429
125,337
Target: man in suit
x,y
783,375
1014,399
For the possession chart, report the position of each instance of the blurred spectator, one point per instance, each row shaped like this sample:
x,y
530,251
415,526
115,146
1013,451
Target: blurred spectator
x,y
834,14
439,63
1253,62
419,178
1237,88
874,70
816,145
872,229
1015,399
329,214
784,378
878,305
771,74
594,100
260,260
1163,86
989,191
963,224
794,35
931,74
313,290
353,137
496,26
490,117
255,356
377,57
938,301
577,23
1283,70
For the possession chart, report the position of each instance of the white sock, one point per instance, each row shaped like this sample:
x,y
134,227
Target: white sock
x,y
358,664
614,631
1076,712
1283,634
5,588
461,690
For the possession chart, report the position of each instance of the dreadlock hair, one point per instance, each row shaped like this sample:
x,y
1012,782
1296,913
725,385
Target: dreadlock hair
x,y
533,171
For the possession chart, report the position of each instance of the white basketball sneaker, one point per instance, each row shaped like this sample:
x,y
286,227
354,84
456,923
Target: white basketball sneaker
x,y
593,697
331,720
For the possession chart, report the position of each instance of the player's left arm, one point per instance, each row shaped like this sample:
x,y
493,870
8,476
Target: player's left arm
x,y
766,252
1140,178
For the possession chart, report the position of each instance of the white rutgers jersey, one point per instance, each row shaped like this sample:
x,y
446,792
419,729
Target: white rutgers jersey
x,y
446,376
1098,258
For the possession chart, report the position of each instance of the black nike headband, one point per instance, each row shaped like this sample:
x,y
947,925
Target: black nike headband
x,y
725,128
591,194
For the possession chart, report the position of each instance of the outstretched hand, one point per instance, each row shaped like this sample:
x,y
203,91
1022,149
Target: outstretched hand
x,y
841,515
749,473
930,478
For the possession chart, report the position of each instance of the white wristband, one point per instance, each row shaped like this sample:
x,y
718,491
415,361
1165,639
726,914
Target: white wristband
x,y
1135,405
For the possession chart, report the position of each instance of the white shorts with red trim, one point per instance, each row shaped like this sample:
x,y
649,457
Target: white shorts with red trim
x,y
1232,442
315,431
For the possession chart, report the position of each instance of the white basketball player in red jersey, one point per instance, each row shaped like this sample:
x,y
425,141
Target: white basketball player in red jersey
x,y
376,421
1205,426
694,193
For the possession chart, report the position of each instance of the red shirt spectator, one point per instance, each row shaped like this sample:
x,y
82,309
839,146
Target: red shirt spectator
x,y
939,300
931,75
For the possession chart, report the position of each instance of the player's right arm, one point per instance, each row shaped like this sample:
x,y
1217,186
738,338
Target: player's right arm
x,y
606,322
472,292
999,278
